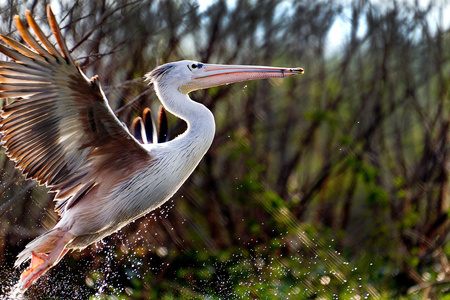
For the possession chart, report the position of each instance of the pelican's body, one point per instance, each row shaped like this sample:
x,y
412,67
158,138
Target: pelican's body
x,y
62,133
105,212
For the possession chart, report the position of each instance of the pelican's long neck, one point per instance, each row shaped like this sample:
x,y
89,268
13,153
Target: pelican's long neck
x,y
200,121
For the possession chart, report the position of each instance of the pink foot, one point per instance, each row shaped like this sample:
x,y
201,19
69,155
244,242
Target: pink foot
x,y
38,267
41,263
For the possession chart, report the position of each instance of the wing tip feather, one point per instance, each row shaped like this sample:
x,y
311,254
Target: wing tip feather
x,y
57,33
37,30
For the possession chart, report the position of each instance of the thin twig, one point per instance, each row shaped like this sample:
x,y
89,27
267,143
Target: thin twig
x,y
102,21
119,110
422,286
7,205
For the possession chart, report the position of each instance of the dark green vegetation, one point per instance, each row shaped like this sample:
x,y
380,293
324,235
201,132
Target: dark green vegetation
x,y
333,184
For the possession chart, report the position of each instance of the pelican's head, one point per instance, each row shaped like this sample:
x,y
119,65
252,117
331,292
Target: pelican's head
x,y
189,76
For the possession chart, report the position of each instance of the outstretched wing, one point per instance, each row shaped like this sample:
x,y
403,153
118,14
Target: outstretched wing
x,y
61,132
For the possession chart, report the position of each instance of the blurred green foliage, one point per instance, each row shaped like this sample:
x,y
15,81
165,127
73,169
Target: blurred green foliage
x,y
333,185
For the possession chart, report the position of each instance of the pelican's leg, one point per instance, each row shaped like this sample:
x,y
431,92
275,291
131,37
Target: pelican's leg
x,y
41,263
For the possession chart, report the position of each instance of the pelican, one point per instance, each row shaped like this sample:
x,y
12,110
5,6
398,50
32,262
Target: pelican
x,y
61,132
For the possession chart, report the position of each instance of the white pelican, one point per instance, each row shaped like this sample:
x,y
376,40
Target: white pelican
x,y
61,132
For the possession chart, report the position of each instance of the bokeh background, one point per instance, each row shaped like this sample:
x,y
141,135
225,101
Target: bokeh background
x,y
329,185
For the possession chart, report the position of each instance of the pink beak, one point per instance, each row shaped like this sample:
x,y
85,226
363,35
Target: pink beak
x,y
209,75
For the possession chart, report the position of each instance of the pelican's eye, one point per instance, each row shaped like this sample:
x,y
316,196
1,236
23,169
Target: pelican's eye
x,y
195,67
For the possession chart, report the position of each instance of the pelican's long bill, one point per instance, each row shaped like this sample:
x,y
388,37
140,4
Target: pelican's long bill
x,y
208,75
